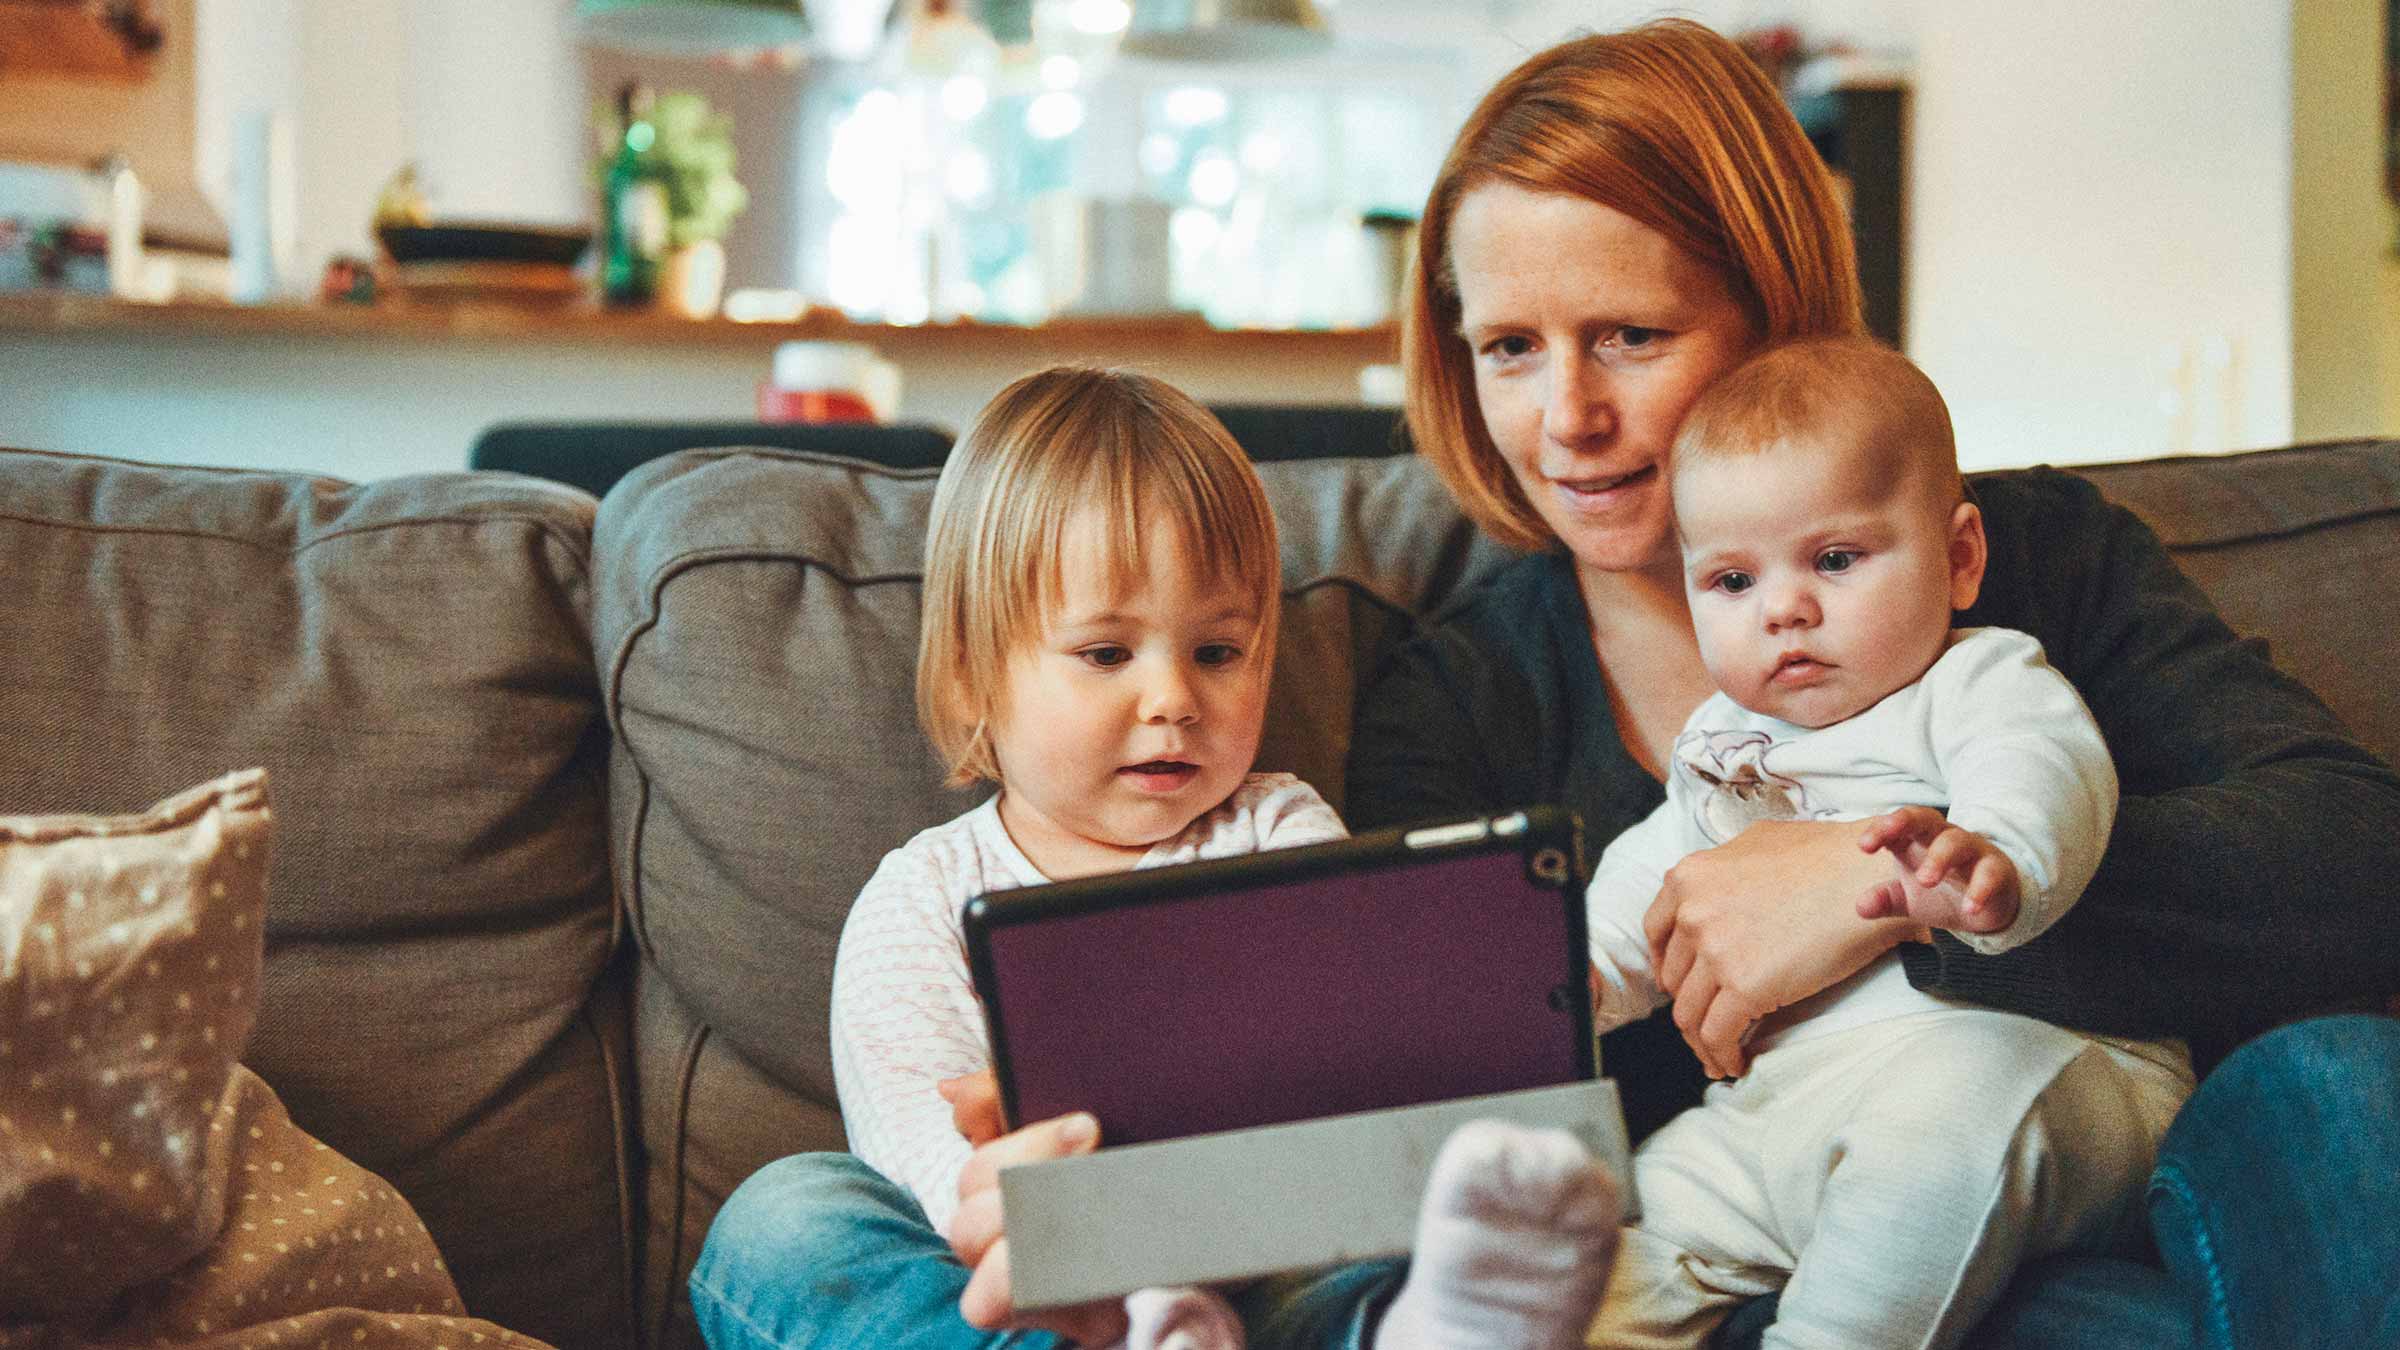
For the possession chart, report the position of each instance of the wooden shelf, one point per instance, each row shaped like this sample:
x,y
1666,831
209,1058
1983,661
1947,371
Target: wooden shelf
x,y
85,39
68,314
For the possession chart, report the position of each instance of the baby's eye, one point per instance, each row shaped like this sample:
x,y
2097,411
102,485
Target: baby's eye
x,y
1733,583
1835,561
1218,654
1107,657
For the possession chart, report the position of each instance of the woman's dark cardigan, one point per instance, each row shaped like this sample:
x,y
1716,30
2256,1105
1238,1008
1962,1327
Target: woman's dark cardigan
x,y
2254,871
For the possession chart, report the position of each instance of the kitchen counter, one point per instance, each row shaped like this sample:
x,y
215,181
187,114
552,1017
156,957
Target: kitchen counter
x,y
67,312
369,391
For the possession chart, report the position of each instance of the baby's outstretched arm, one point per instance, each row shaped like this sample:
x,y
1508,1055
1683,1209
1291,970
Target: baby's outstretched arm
x,y
1950,877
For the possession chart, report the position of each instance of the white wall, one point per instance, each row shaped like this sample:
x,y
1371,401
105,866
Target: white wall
x,y
2101,224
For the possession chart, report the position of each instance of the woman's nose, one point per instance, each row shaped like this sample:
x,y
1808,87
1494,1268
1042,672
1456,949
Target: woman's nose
x,y
1577,408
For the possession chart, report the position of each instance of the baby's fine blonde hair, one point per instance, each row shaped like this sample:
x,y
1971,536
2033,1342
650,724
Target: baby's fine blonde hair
x,y
1818,393
1047,449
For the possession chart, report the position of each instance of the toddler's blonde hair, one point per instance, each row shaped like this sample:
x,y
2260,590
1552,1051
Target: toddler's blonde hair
x,y
1046,449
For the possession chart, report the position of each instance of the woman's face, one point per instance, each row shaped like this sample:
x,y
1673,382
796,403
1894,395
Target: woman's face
x,y
1590,335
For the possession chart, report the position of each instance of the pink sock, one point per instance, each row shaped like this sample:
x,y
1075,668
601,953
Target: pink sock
x,y
1514,1242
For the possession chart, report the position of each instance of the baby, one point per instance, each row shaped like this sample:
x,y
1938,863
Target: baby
x,y
1100,609
1890,1156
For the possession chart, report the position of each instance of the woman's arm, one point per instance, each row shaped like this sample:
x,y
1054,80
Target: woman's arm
x,y
2254,871
1418,750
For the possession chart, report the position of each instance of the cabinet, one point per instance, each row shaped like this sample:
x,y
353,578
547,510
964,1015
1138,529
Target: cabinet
x,y
87,39
1860,126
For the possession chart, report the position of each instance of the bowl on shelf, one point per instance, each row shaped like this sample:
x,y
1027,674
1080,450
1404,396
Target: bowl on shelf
x,y
481,241
477,261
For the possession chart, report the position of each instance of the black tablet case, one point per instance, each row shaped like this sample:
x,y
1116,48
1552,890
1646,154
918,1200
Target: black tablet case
x,y
1397,968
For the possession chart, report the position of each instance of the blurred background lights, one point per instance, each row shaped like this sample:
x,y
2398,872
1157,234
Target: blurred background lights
x,y
1061,72
963,96
1195,105
1160,153
1053,115
1215,179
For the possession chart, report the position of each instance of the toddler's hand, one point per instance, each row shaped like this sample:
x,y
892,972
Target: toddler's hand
x,y
978,1239
974,1105
1949,877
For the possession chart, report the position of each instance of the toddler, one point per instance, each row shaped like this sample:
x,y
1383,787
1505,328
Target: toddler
x,y
1890,1156
1100,611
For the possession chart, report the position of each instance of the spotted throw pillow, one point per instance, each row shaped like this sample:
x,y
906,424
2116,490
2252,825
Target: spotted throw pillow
x,y
153,1191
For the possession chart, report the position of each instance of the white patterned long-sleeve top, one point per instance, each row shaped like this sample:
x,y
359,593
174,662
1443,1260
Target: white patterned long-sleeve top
x,y
905,1015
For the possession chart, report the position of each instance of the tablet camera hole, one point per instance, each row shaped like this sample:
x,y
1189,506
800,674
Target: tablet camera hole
x,y
1550,867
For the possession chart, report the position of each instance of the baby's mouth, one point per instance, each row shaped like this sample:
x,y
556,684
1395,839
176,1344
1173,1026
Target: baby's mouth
x,y
1796,668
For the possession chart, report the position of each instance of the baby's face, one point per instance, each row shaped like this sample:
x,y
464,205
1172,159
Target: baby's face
x,y
1822,579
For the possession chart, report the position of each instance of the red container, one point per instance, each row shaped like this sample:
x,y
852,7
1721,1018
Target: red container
x,y
777,404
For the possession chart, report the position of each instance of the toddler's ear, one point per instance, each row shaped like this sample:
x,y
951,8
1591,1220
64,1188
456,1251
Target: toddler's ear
x,y
1968,554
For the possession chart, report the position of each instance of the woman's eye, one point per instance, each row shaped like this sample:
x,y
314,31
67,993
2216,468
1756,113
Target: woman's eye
x,y
1638,337
1733,583
1218,654
1107,658
1508,348
1837,560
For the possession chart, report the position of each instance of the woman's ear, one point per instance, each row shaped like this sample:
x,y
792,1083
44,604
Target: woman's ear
x,y
1968,554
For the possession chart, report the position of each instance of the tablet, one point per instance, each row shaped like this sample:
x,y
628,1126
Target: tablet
x,y
1396,968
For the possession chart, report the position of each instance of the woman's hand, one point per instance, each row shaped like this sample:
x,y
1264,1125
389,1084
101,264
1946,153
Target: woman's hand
x,y
1761,923
977,1233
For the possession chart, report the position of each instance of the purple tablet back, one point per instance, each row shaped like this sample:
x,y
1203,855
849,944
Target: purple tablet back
x,y
1421,981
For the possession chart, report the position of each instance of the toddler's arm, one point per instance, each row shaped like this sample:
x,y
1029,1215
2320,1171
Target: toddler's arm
x,y
904,1019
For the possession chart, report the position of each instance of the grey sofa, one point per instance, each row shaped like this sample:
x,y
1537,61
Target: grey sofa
x,y
572,797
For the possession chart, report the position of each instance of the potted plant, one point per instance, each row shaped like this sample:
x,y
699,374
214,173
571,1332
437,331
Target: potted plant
x,y
688,153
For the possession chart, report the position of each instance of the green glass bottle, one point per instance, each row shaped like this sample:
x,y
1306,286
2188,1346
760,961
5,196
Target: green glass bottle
x,y
633,207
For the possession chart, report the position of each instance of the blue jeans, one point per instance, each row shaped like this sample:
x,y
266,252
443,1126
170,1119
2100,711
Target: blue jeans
x,y
2275,1205
819,1250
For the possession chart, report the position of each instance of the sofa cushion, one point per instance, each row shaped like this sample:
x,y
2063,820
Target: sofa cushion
x,y
410,659
756,626
129,955
2296,546
156,1192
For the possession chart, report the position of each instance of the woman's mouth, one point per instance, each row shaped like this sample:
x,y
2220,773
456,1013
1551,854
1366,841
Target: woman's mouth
x,y
1160,775
1600,492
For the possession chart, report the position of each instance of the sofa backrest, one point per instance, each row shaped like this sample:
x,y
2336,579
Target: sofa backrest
x,y
2298,547
410,660
756,629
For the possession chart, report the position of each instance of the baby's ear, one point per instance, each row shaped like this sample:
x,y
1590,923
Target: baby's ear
x,y
1968,554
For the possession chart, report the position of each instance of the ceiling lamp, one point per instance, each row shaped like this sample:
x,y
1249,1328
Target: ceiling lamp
x,y
691,27
1224,30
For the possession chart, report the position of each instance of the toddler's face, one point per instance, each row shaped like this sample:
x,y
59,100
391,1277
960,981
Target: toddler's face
x,y
1131,714
1821,581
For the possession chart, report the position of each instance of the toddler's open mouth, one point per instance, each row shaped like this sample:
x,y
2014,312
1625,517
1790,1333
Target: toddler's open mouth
x,y
1160,775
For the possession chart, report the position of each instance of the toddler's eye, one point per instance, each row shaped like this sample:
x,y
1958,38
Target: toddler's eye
x,y
1218,654
1837,560
1107,658
1733,583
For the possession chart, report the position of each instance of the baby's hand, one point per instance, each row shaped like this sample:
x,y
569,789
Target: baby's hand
x,y
1950,877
